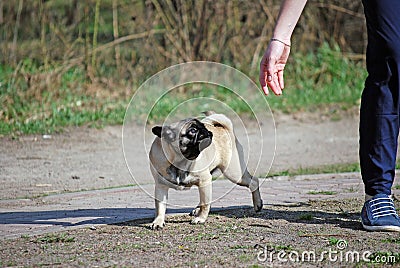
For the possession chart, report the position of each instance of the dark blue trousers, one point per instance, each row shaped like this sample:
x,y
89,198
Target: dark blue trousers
x,y
379,112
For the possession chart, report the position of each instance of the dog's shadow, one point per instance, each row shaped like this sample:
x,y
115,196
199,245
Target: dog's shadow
x,y
302,214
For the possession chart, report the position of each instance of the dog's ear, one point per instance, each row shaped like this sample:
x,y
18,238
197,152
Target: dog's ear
x,y
157,131
164,132
205,143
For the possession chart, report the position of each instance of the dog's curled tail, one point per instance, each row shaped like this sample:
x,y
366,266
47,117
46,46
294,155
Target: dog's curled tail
x,y
218,120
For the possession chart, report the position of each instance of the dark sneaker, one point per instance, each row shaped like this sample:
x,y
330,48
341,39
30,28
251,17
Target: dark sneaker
x,y
379,214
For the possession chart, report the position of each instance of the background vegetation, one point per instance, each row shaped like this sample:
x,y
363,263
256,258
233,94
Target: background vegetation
x,y
70,62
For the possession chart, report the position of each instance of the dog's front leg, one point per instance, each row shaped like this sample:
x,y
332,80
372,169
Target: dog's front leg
x,y
205,191
161,198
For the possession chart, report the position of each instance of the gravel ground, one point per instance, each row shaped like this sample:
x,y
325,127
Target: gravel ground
x,y
312,234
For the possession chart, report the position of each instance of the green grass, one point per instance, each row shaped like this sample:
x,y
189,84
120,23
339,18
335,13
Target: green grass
x,y
30,107
55,238
393,240
34,100
326,169
333,241
241,247
196,100
283,247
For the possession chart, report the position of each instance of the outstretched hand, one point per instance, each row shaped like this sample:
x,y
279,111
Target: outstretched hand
x,y
272,66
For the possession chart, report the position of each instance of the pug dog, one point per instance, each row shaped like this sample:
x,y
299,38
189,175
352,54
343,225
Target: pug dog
x,y
186,153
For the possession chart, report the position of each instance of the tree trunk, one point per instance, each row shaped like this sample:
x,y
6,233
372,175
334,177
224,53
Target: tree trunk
x,y
87,42
95,32
116,35
13,57
1,12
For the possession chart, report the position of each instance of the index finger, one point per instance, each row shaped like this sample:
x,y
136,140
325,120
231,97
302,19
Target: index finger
x,y
274,85
273,77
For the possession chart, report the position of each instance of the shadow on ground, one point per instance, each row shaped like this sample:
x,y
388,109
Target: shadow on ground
x,y
300,215
144,216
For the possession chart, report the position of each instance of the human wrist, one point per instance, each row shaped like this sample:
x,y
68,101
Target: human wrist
x,y
286,43
289,14
284,37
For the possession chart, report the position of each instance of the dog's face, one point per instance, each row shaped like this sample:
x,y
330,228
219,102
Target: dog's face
x,y
187,137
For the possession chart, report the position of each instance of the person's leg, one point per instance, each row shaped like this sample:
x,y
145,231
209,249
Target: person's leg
x,y
379,112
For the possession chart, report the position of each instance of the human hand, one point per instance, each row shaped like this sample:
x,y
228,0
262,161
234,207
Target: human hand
x,y
272,66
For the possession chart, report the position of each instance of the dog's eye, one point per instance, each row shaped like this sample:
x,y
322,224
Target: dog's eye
x,y
192,131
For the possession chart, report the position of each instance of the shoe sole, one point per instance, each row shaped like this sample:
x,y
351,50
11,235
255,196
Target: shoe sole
x,y
386,228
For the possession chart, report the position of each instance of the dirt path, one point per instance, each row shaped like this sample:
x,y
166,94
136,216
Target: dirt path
x,y
86,158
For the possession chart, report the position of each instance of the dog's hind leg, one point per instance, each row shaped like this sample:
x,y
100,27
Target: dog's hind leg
x,y
237,172
253,184
250,182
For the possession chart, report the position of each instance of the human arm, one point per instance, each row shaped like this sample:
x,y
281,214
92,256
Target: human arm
x,y
277,53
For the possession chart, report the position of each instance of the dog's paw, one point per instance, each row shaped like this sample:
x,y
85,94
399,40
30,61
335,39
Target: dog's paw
x,y
259,206
157,224
195,212
198,220
257,201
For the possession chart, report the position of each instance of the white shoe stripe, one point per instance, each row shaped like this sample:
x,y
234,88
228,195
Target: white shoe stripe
x,y
383,202
387,214
381,198
380,208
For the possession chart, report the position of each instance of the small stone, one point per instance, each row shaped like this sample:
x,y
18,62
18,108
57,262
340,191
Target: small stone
x,y
46,137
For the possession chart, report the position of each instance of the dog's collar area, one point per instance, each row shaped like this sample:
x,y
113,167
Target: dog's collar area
x,y
178,176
